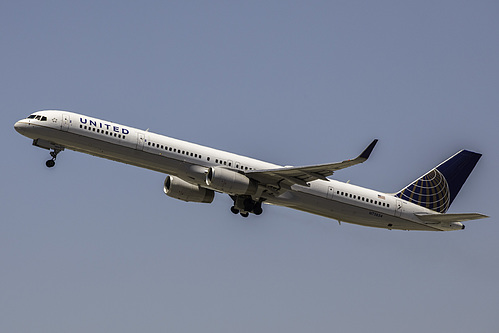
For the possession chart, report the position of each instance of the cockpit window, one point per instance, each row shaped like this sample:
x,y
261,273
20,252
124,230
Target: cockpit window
x,y
37,117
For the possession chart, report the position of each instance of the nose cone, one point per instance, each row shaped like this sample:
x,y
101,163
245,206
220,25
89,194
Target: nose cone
x,y
20,126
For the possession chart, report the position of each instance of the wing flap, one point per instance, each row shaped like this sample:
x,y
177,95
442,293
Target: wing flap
x,y
304,174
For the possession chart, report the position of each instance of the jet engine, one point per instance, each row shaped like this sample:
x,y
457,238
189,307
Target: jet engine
x,y
180,189
229,181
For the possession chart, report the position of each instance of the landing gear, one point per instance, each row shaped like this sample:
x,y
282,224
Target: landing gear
x,y
50,163
258,209
244,205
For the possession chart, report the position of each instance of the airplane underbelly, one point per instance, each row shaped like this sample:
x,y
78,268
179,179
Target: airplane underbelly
x,y
112,151
344,212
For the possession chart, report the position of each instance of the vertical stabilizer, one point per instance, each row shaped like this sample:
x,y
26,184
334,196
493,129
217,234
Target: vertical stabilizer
x,y
437,189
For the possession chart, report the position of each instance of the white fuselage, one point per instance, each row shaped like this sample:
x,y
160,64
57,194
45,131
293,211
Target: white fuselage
x,y
190,162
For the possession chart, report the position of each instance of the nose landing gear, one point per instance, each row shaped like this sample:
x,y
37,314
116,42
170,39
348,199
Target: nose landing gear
x,y
50,163
52,147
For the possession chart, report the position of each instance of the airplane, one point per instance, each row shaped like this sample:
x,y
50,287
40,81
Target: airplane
x,y
196,172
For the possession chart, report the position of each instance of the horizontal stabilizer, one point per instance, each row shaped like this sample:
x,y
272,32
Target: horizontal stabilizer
x,y
449,218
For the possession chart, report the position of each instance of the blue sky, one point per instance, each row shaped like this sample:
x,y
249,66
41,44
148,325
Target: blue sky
x,y
94,245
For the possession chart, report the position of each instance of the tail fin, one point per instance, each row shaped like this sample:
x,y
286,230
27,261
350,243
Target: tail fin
x,y
437,189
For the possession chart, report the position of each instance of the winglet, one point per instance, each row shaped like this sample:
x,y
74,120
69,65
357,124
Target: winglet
x,y
367,152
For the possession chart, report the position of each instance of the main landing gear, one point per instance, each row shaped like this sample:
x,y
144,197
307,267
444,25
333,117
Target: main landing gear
x,y
246,205
50,163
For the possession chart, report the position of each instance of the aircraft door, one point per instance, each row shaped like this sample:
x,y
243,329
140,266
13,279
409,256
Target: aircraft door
x,y
330,192
399,208
65,122
140,140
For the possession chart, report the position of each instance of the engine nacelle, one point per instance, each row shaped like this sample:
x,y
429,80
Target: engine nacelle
x,y
228,181
180,189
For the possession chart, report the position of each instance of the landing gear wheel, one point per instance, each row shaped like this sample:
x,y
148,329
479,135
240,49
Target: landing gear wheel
x,y
51,163
258,209
234,210
244,214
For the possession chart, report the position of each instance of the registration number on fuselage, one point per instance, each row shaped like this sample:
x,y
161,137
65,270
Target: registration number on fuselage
x,y
375,214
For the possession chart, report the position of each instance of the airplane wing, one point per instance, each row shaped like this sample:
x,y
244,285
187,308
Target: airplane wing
x,y
302,175
449,218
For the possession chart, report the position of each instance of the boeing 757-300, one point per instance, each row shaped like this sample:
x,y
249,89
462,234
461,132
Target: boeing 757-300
x,y
196,172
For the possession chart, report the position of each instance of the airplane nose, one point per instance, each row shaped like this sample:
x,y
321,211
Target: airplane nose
x,y
20,126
